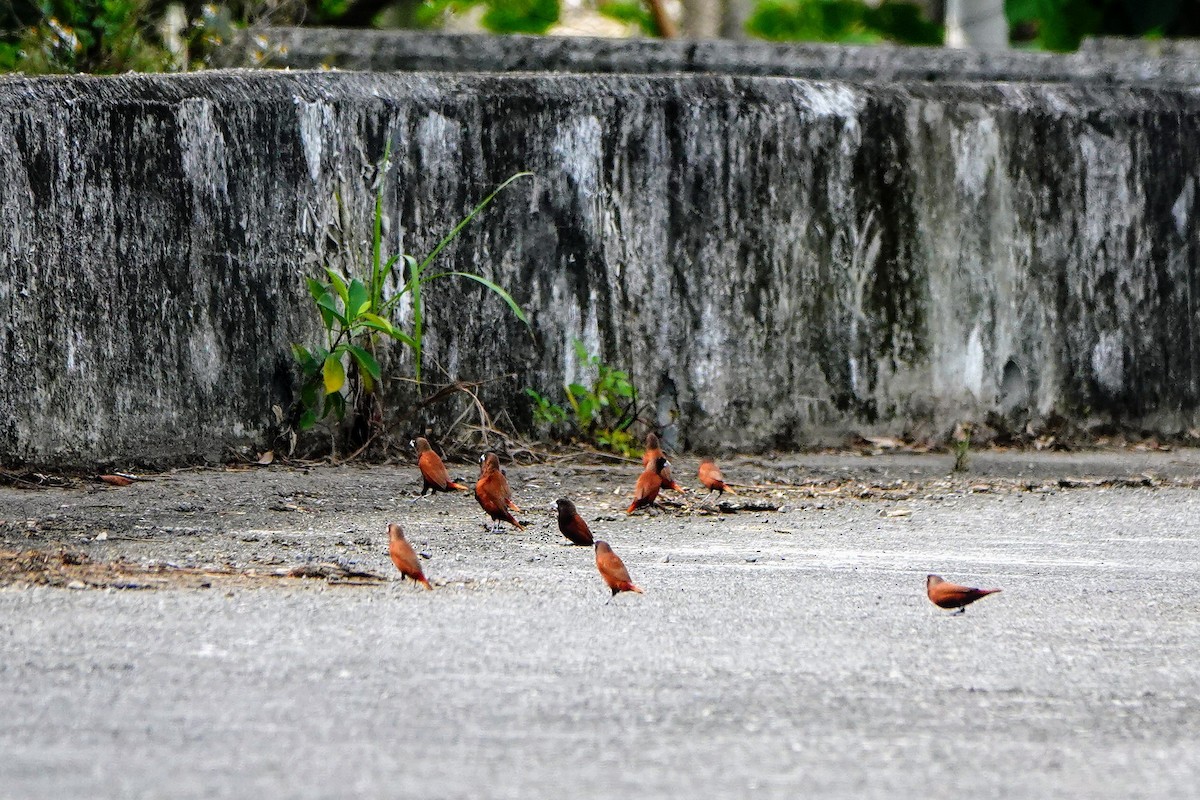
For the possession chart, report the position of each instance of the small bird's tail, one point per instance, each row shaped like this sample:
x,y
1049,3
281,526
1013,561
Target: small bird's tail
x,y
633,588
514,506
425,581
728,488
632,507
457,487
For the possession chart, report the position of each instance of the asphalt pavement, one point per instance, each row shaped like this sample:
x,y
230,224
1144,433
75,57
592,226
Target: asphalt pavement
x,y
774,654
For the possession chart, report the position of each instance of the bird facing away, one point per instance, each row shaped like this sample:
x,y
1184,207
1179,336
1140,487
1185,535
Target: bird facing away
x,y
612,570
434,476
493,494
653,450
648,485
404,557
653,454
571,524
712,479
951,595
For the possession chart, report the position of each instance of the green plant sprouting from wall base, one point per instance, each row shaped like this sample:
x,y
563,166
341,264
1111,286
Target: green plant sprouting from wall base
x,y
357,313
601,412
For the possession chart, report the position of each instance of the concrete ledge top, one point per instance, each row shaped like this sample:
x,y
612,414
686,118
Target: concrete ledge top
x,y
822,96
442,52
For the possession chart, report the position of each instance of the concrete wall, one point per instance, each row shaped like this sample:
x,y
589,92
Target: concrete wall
x,y
777,262
313,48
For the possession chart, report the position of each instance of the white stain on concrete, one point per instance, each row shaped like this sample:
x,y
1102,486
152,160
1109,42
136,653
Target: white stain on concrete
x,y
202,146
977,151
313,119
972,367
1181,211
1108,361
580,146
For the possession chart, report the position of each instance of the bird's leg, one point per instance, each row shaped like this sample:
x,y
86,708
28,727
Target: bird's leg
x,y
961,610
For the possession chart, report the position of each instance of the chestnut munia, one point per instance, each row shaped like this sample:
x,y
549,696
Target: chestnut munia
x,y
493,493
570,524
404,557
950,595
612,570
434,476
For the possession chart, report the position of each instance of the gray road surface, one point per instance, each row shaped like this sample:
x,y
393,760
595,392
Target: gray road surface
x,y
772,655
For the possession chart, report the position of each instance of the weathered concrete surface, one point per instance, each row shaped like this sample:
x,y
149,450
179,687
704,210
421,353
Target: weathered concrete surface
x,y
818,668
312,48
777,262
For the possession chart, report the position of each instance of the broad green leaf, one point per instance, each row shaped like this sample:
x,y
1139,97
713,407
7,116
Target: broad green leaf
x,y
365,360
316,288
336,403
308,419
334,374
339,401
339,284
308,395
329,304
359,300
376,322
301,354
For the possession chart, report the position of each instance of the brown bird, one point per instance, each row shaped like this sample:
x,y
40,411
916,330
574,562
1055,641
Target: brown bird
x,y
951,595
404,557
652,454
571,524
493,494
648,485
712,479
612,569
434,476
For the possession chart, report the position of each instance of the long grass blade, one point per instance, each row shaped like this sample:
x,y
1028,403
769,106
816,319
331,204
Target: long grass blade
x,y
449,237
505,296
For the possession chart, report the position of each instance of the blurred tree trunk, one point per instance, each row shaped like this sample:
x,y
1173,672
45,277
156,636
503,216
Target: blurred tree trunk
x,y
666,27
703,19
977,24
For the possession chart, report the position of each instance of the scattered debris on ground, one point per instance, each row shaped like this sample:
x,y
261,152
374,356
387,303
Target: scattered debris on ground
x,y
75,570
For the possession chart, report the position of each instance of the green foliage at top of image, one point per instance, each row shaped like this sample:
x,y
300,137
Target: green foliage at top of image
x,y
630,12
501,16
1063,24
59,36
107,37
842,21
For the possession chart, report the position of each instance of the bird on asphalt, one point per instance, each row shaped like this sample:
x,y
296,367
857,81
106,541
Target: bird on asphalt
x,y
493,493
950,595
712,479
570,524
404,557
648,485
434,476
652,454
612,570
